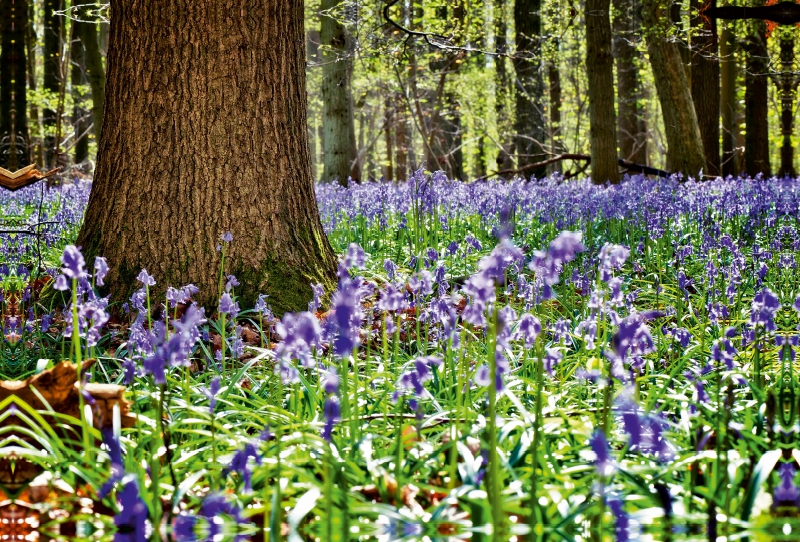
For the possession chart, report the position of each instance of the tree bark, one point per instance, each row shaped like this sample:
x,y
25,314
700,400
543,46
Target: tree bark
x,y
685,147
531,123
35,150
600,78
728,69
502,87
786,92
632,139
207,133
706,86
13,76
756,142
95,72
337,108
388,129
401,139
53,45
554,80
80,117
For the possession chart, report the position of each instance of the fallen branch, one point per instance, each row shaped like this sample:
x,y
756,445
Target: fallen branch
x,y
631,166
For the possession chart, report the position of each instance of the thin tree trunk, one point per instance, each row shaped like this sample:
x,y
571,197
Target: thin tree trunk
x,y
95,72
600,78
217,96
706,86
531,126
554,79
786,91
756,140
401,139
53,47
337,108
13,77
632,140
505,159
81,119
35,146
388,127
728,69
685,148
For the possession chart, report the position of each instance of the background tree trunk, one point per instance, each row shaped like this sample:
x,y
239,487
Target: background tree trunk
x,y
705,86
786,92
600,78
531,123
53,45
505,159
756,139
95,72
632,140
13,75
728,70
81,119
554,80
337,103
217,95
685,148
35,150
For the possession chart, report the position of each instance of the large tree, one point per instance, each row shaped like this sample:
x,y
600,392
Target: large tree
x,y
684,144
756,102
600,78
706,85
53,48
205,132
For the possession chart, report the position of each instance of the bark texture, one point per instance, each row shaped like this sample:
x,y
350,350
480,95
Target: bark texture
x,y
206,132
337,109
728,109
786,91
631,126
756,142
13,75
684,145
531,123
502,87
81,118
600,79
94,70
705,86
53,43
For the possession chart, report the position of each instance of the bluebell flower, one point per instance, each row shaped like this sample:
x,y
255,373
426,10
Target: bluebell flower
x,y
131,521
145,278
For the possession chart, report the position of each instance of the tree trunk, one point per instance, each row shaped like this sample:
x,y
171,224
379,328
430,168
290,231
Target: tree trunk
x,y
554,80
756,142
600,78
53,45
95,72
13,76
505,159
685,148
337,105
530,125
80,117
728,69
786,91
35,150
705,86
387,129
401,139
632,140
207,133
